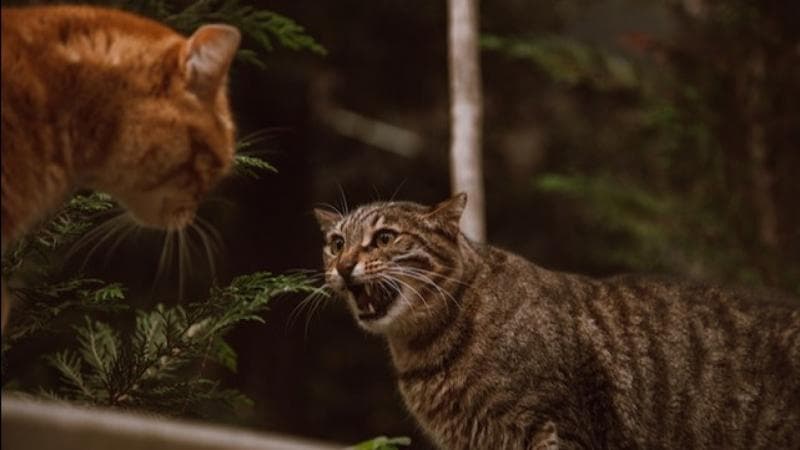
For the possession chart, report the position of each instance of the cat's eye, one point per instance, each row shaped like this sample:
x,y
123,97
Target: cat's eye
x,y
384,237
336,244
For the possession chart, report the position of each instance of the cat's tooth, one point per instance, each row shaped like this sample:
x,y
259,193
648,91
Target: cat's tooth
x,y
368,289
371,308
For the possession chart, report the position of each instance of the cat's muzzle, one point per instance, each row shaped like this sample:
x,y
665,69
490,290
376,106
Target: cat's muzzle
x,y
372,300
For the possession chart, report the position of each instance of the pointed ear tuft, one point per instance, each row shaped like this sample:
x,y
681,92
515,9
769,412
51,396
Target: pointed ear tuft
x,y
207,56
449,211
326,219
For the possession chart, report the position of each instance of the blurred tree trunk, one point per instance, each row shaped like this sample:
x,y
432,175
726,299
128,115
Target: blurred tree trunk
x,y
759,151
466,104
753,87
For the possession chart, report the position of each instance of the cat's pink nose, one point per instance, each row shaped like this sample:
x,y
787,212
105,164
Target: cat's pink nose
x,y
345,269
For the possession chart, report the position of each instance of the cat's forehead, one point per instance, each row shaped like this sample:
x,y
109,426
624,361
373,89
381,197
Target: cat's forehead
x,y
379,215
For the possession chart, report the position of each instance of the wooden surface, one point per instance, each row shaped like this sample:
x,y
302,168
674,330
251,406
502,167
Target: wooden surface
x,y
39,425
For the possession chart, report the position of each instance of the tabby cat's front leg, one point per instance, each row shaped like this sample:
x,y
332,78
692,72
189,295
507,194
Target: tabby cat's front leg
x,y
546,438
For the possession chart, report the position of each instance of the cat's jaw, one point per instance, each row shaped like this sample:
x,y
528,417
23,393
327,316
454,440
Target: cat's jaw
x,y
390,320
375,308
164,214
404,315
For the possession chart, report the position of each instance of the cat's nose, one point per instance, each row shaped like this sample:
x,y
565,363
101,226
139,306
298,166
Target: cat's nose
x,y
345,269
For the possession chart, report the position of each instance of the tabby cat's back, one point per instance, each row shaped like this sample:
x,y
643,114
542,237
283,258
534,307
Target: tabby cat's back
x,y
494,352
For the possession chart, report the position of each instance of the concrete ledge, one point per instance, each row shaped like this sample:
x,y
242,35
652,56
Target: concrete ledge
x,y
39,425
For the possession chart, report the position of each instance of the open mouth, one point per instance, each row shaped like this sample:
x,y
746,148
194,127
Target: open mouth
x,y
372,300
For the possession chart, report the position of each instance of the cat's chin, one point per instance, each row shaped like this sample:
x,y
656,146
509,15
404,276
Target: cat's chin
x,y
180,219
175,220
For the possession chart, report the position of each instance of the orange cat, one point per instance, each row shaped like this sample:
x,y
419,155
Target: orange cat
x,y
101,99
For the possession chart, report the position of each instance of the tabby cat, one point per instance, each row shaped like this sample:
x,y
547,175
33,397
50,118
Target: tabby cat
x,y
101,99
494,352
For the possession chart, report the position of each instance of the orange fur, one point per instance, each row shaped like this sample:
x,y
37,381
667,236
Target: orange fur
x,y
101,99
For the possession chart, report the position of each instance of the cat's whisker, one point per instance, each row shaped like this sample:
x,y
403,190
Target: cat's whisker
x,y
89,236
209,249
408,285
387,284
103,234
316,305
255,153
311,302
384,286
394,284
315,278
345,209
431,272
446,295
184,263
376,194
104,216
294,314
311,274
301,304
165,259
416,291
214,237
425,276
258,136
124,231
396,191
426,281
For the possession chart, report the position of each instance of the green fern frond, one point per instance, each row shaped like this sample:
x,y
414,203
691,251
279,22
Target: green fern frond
x,y
151,360
262,26
69,366
382,443
99,345
568,61
158,365
251,166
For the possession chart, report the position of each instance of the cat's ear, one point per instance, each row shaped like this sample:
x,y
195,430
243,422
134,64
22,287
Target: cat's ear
x,y
326,219
449,211
207,57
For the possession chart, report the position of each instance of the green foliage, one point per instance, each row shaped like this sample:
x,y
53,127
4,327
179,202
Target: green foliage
x,y
115,355
643,229
38,308
70,223
263,27
251,166
382,443
246,164
642,218
108,352
663,114
567,61
158,366
44,296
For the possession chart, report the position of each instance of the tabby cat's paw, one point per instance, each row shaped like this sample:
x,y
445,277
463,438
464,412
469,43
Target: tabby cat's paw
x,y
546,438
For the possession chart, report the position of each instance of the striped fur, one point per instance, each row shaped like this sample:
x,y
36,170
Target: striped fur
x,y
494,352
